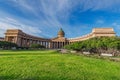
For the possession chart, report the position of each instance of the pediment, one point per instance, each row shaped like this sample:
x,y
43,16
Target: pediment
x,y
59,39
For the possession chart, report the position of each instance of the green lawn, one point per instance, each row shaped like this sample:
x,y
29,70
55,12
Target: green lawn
x,y
50,65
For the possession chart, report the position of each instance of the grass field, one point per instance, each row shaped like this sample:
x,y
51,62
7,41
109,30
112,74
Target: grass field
x,y
50,65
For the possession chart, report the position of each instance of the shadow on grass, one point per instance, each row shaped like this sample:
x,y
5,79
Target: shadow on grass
x,y
12,78
16,50
24,54
22,50
6,78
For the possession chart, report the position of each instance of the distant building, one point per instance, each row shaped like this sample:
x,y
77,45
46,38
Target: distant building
x,y
25,40
1,39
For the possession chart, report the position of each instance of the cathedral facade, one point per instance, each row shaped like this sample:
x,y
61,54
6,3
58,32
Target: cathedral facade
x,y
25,40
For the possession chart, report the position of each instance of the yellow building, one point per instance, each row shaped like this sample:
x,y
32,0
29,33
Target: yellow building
x,y
25,40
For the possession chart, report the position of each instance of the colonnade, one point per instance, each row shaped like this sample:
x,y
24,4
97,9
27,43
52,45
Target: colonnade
x,y
59,44
25,40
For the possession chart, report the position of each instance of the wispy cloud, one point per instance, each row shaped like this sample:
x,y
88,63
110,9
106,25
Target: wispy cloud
x,y
55,12
10,23
99,21
51,14
109,5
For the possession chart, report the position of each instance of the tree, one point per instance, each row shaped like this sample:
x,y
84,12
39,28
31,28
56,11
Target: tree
x,y
37,46
7,45
97,45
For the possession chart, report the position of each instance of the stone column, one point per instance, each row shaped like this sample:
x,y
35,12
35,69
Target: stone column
x,y
22,42
61,44
6,38
28,43
41,42
16,40
19,41
45,43
51,45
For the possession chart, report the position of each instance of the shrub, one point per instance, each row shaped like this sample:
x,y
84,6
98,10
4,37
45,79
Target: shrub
x,y
37,46
96,45
7,45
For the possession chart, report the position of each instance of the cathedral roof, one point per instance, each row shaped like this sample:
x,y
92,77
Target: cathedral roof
x,y
61,32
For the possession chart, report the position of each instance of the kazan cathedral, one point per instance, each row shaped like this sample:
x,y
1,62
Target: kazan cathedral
x,y
25,40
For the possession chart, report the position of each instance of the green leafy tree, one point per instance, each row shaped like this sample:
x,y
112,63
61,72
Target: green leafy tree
x,y
97,45
7,45
37,46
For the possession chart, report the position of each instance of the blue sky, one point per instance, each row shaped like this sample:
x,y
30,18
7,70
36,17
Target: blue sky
x,y
45,17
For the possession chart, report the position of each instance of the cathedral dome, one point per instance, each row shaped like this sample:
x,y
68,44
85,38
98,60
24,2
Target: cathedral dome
x,y
61,33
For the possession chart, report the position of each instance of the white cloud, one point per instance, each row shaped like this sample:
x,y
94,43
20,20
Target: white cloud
x,y
116,25
10,23
99,21
106,5
52,10
52,13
